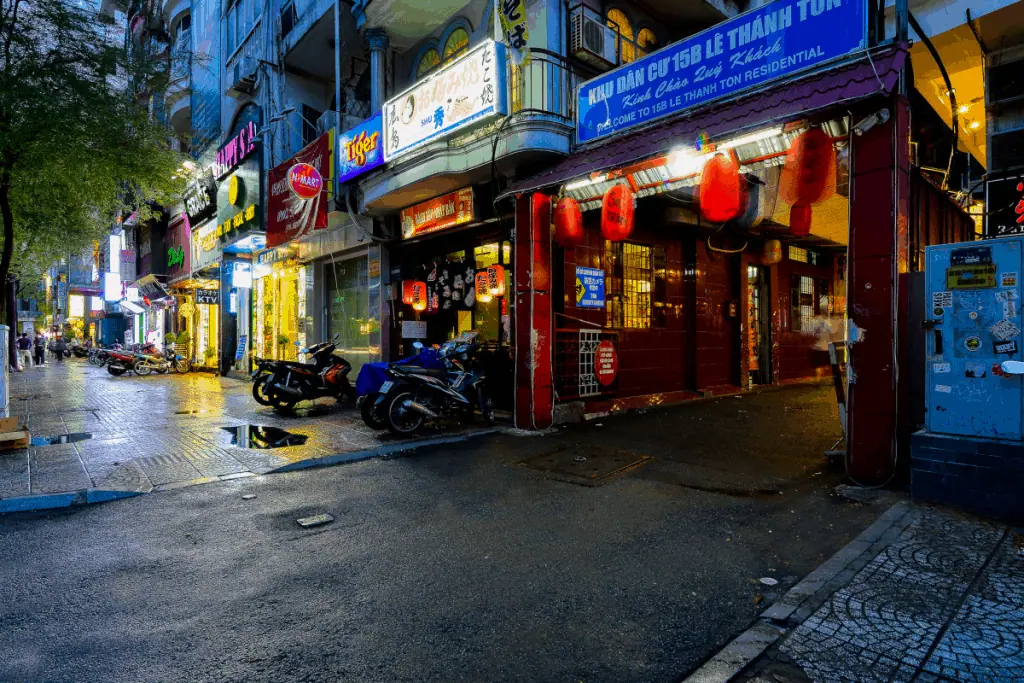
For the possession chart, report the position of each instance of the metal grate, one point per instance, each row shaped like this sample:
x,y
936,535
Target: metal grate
x,y
575,350
632,282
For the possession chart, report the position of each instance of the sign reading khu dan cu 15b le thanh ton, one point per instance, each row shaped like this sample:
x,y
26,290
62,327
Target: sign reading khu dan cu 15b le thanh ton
x,y
775,40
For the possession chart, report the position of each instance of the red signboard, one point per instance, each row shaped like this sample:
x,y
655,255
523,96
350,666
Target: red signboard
x,y
606,363
439,213
298,192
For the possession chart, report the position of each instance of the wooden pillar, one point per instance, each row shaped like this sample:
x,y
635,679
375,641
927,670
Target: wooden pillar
x,y
879,182
534,329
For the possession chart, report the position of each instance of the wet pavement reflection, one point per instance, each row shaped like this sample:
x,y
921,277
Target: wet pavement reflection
x,y
261,437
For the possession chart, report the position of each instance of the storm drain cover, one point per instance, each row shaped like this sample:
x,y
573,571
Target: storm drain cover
x,y
589,466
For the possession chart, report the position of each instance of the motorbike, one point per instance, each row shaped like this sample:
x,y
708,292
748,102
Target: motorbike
x,y
120,361
327,375
267,371
415,394
99,356
148,362
373,375
80,351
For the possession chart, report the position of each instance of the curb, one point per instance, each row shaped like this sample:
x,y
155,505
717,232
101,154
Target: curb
x,y
776,621
53,501
388,449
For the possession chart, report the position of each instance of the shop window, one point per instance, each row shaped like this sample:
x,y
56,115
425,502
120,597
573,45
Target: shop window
x,y
456,44
618,21
241,17
348,309
428,62
636,285
809,299
797,254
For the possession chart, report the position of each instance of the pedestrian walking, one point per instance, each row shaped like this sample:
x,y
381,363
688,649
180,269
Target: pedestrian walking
x,y
60,347
40,348
24,351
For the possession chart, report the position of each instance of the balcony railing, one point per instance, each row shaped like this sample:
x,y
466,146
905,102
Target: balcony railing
x,y
544,87
181,55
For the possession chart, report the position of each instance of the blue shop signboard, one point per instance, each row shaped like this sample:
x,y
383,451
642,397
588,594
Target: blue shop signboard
x,y
747,51
589,287
361,149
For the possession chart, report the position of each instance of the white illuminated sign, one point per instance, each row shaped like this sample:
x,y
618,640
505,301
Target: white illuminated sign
x,y
111,286
95,303
76,306
470,90
114,254
241,276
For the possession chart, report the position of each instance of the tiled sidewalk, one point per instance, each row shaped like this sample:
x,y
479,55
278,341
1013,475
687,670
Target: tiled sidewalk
x,y
158,432
943,602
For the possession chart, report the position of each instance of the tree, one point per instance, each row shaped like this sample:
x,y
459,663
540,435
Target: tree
x,y
79,146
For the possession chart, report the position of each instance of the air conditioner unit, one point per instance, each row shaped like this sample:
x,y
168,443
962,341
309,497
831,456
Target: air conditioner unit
x,y
593,42
243,78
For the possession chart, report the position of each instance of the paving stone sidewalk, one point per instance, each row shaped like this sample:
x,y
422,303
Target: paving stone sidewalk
x,y
942,602
158,432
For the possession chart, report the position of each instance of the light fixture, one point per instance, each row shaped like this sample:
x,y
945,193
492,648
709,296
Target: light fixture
x,y
964,108
683,162
577,184
975,125
747,139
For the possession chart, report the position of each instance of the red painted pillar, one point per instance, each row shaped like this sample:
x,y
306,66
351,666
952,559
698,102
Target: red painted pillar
x,y
533,316
879,182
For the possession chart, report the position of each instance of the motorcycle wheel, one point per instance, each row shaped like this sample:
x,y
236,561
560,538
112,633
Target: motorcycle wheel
x,y
141,369
258,392
182,365
401,421
116,370
370,412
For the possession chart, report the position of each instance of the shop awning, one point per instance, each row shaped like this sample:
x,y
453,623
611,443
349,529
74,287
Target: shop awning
x,y
846,83
151,288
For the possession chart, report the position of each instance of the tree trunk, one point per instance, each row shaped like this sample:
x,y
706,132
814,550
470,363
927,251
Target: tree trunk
x,y
8,252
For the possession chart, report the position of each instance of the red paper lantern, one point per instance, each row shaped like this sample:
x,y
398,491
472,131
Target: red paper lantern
x,y
483,290
800,220
617,213
496,280
414,293
568,223
723,192
808,177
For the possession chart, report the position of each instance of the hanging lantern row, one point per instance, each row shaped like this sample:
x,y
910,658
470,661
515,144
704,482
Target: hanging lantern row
x,y
808,177
723,191
487,284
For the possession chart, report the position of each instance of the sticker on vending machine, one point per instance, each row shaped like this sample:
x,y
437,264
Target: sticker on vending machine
x,y
973,343
940,368
1008,279
1006,346
942,299
1004,330
943,388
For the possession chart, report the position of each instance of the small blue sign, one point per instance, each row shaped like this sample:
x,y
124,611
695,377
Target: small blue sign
x,y
589,287
747,51
361,149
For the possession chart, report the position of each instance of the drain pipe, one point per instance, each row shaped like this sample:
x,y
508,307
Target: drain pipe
x,y
955,111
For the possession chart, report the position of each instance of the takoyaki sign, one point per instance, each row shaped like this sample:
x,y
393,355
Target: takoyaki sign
x,y
469,91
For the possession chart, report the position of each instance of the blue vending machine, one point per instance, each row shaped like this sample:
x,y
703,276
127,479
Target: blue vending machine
x,y
970,453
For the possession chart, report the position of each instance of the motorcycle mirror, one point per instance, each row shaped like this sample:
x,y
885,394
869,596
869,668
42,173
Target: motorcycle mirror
x,y
417,345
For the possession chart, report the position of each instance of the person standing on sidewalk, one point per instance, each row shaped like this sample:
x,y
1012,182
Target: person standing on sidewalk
x,y
60,347
40,349
25,351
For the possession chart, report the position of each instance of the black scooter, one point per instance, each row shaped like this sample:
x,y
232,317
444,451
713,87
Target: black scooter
x,y
290,382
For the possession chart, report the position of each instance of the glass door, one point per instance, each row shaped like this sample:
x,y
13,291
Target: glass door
x,y
347,305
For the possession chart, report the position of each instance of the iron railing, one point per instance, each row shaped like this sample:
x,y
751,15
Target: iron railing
x,y
575,354
181,55
545,86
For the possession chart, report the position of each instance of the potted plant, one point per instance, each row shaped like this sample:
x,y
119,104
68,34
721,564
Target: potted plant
x,y
208,357
282,342
169,339
182,344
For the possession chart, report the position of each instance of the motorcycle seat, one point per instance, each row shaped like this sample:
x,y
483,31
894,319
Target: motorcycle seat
x,y
417,370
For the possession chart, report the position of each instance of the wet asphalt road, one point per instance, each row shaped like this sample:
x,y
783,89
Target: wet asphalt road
x,y
450,564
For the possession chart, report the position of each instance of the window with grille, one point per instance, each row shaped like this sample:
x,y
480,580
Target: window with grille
x,y
809,298
631,283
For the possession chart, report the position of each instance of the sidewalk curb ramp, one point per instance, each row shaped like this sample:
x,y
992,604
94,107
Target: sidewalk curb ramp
x,y
67,499
779,619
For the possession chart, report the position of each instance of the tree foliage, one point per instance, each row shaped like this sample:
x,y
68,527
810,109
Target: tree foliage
x,y
79,146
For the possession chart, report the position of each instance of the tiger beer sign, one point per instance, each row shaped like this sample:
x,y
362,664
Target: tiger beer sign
x,y
360,149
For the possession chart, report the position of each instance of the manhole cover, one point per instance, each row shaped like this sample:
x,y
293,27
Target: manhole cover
x,y
588,466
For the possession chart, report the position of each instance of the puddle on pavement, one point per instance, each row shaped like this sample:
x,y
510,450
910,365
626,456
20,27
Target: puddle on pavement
x,y
258,436
60,438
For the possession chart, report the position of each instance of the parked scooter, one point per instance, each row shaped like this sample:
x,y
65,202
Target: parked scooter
x,y
274,371
372,377
150,361
414,394
327,375
120,361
